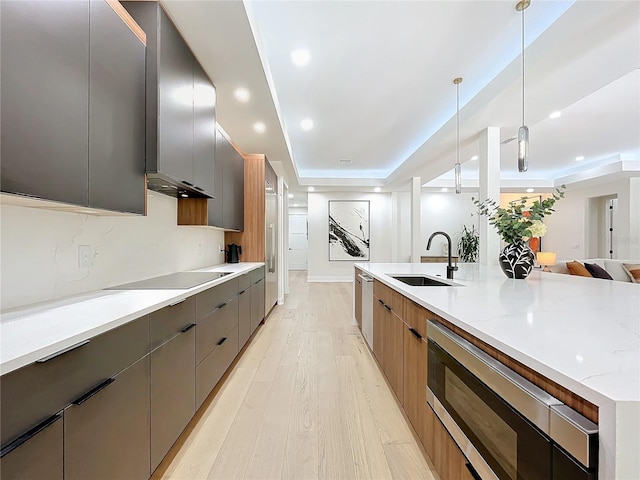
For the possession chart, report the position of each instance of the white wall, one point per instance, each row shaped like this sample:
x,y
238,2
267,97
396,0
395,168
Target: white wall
x,y
569,225
39,250
446,212
320,269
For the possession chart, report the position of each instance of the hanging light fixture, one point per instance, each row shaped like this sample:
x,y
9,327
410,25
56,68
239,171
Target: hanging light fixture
x,y
523,131
458,168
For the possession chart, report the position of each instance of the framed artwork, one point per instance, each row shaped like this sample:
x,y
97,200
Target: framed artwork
x,y
349,230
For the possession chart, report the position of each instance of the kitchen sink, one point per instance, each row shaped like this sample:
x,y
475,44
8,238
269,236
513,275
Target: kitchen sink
x,y
420,281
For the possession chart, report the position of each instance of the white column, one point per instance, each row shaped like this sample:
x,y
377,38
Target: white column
x,y
416,248
489,165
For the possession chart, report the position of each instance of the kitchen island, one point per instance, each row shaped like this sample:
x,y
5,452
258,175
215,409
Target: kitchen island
x,y
582,333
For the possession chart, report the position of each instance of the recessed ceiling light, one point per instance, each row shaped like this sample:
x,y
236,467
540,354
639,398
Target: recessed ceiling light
x,y
579,158
291,195
530,190
377,189
310,189
184,195
475,157
300,57
259,127
306,124
242,94
444,189
345,160
556,114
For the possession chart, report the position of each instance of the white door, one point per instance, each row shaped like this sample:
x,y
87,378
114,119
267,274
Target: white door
x,y
297,241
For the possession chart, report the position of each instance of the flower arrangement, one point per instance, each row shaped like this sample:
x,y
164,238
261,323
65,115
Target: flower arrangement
x,y
519,222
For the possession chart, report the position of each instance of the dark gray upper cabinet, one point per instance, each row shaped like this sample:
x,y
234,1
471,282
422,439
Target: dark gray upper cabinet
x,y
227,210
179,151
72,79
44,75
116,113
204,130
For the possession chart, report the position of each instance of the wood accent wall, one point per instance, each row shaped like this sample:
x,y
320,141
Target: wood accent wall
x,y
193,211
128,20
569,398
252,238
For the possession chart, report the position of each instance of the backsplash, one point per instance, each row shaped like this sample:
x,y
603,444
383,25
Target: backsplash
x,y
40,256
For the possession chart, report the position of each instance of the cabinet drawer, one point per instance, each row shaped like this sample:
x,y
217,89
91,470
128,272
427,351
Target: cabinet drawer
x,y
39,457
36,392
167,322
416,316
107,436
211,329
244,282
209,300
389,296
214,365
256,275
173,385
244,317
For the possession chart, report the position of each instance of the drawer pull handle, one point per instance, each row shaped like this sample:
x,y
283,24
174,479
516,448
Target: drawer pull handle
x,y
93,391
221,305
472,471
62,352
381,302
178,302
415,333
187,183
224,339
25,437
387,307
187,328
243,291
201,189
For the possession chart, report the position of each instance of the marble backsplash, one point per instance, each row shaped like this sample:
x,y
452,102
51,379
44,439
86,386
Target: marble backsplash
x,y
39,250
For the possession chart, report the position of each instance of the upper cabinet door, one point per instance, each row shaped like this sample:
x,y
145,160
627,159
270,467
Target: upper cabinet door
x,y
233,191
175,108
215,205
45,88
204,130
116,113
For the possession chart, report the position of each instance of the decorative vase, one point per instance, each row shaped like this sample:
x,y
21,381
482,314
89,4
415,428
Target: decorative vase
x,y
516,260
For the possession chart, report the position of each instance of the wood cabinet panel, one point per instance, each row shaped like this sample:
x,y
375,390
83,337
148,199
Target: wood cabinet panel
x,y
416,316
388,344
415,384
379,315
389,296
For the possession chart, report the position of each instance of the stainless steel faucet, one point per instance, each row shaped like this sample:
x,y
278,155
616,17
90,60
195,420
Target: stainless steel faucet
x,y
450,268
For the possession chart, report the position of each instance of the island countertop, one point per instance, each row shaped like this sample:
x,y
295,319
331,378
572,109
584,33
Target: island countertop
x,y
33,332
583,333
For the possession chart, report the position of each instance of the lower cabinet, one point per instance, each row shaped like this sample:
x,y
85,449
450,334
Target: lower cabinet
x,y
211,369
173,385
36,455
449,461
388,343
244,317
106,431
415,383
357,311
257,304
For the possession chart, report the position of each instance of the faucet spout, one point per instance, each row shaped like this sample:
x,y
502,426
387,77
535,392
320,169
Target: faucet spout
x,y
450,267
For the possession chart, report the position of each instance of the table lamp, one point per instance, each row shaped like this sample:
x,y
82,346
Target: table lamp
x,y
545,259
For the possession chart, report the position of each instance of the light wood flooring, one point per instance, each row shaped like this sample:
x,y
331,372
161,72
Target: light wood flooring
x,y
306,400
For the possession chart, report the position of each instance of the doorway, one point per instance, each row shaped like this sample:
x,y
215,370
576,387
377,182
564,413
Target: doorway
x,y
602,231
297,241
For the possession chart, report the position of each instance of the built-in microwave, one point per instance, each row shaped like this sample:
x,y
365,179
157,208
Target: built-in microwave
x,y
508,428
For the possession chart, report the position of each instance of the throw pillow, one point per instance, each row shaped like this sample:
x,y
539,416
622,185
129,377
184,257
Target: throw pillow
x,y
597,271
633,270
576,268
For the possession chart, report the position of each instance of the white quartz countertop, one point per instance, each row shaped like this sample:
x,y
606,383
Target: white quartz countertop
x,y
583,333
31,333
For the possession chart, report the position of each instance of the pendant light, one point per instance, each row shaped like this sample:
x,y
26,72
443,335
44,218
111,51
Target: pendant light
x,y
523,131
458,168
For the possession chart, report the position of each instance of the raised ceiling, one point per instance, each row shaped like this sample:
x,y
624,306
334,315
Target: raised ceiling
x,y
378,85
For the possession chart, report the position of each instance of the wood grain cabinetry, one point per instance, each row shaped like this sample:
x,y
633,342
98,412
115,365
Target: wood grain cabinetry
x,y
449,461
73,112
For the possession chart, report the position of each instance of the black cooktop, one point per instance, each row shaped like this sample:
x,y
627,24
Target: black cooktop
x,y
177,281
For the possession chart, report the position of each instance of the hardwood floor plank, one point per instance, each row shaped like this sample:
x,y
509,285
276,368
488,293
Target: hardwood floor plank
x,y
407,462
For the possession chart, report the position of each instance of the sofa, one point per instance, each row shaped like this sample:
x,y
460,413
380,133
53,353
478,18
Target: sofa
x,y
613,267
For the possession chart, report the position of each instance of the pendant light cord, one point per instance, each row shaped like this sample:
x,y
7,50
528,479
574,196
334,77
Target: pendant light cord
x,y
457,123
523,66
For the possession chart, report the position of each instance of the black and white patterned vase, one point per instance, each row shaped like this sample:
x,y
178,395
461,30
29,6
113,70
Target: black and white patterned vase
x,y
516,260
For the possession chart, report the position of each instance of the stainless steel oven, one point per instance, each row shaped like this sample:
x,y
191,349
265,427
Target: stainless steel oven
x,y
508,428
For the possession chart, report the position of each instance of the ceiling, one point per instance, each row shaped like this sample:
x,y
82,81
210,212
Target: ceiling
x,y
378,85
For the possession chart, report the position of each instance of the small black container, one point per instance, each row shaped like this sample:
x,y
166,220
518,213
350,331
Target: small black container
x,y
233,252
